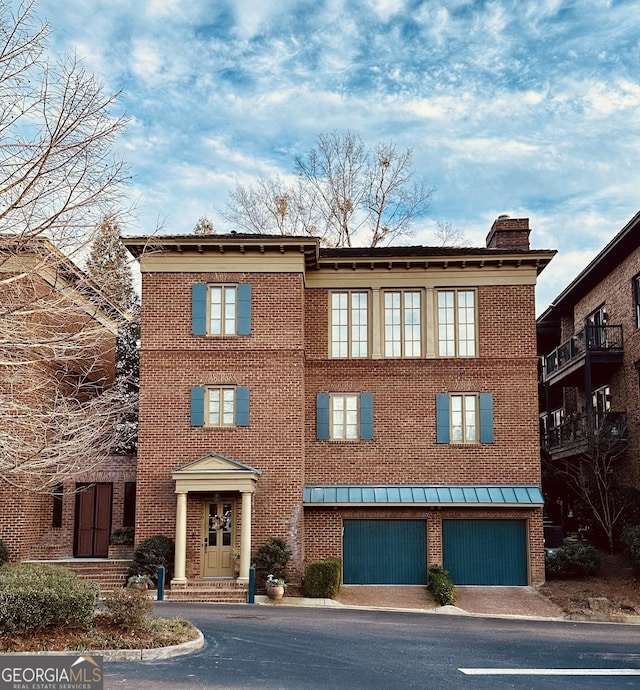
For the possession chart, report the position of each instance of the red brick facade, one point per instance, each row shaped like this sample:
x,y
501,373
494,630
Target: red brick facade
x,y
284,362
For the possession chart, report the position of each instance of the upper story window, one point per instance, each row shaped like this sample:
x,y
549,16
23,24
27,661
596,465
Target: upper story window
x,y
402,323
601,404
464,418
344,416
350,324
457,323
219,406
636,299
596,329
221,309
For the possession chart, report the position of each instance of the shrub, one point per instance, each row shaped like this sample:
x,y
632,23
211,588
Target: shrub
x,y
322,578
441,586
572,561
273,557
128,608
631,543
151,553
123,536
4,553
36,596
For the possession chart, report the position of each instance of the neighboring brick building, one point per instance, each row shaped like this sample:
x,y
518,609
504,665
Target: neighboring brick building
x,y
47,298
589,344
379,405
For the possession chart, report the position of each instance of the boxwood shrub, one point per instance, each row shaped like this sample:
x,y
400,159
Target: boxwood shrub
x,y
152,552
36,596
441,586
572,561
322,579
631,543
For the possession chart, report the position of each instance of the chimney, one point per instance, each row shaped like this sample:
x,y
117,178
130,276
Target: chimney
x,y
509,233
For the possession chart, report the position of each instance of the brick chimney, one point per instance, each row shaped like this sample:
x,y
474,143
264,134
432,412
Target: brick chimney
x,y
509,233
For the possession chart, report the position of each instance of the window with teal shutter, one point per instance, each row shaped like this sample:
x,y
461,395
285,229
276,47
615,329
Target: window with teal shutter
x,y
344,416
460,417
220,310
219,406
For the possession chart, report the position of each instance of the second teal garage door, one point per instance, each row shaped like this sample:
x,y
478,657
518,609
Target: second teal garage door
x,y
485,552
384,552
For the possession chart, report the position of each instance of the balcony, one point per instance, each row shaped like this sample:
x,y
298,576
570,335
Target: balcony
x,y
607,434
601,345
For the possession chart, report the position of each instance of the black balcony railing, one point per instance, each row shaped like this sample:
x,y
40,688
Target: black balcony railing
x,y
591,338
605,433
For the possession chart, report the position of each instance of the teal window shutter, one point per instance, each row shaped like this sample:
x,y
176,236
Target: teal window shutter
x,y
443,433
322,416
242,406
366,416
197,406
199,309
486,417
244,309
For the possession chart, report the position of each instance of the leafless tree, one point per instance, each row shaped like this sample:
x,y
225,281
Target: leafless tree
x,y
344,193
446,235
593,475
58,178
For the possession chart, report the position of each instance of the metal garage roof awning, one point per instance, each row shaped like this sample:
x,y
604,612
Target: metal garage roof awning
x,y
496,495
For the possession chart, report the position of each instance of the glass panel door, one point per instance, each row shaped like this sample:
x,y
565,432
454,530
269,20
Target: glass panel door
x,y
219,523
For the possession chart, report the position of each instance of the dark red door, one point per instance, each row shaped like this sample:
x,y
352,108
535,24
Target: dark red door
x,y
93,520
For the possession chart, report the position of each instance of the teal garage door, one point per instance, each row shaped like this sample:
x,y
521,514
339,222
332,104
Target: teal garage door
x,y
485,552
384,552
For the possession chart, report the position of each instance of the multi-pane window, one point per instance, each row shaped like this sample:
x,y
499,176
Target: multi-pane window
x,y
457,323
345,417
636,299
349,324
402,324
223,307
221,310
464,418
221,406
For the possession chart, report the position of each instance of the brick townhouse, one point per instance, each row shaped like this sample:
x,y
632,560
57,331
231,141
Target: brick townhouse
x,y
375,404
72,518
589,344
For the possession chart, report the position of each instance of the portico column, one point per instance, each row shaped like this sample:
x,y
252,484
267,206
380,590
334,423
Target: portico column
x,y
180,560
245,537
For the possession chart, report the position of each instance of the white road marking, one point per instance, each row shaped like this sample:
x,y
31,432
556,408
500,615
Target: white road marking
x,y
550,671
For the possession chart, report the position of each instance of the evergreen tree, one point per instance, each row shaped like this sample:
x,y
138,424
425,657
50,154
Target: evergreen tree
x,y
108,265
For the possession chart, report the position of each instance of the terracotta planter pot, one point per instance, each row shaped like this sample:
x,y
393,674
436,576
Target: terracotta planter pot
x,y
275,593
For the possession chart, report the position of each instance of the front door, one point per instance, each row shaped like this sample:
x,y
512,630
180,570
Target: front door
x,y
219,530
93,520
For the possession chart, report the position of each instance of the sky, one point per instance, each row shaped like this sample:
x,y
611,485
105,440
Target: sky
x,y
526,108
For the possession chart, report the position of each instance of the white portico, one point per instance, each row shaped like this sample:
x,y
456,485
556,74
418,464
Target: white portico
x,y
218,480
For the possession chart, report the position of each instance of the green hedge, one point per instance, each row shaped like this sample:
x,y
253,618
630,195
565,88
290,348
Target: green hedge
x,y
631,543
36,596
441,586
572,561
152,552
322,579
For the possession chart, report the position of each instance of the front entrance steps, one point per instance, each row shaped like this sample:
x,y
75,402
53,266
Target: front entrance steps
x,y
109,574
212,590
112,574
